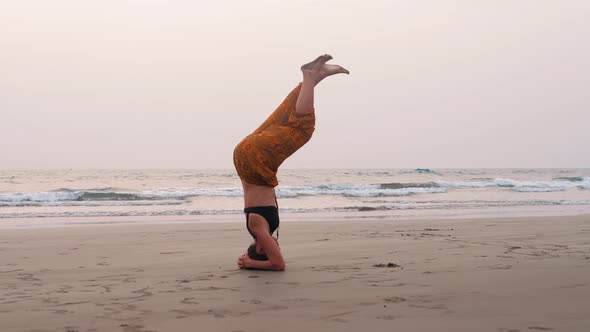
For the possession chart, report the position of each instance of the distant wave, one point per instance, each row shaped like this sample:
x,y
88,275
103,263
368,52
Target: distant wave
x,y
423,170
39,197
396,185
562,184
392,189
71,195
385,190
358,190
447,205
91,203
570,178
81,214
522,186
409,205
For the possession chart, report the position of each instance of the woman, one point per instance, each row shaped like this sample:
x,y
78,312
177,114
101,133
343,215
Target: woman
x,y
258,156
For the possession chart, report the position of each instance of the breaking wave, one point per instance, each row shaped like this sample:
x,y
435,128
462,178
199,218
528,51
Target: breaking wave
x,y
393,189
400,205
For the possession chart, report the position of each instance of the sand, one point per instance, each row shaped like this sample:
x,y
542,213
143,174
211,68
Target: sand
x,y
511,274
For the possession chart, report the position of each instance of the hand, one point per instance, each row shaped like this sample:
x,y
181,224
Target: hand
x,y
243,261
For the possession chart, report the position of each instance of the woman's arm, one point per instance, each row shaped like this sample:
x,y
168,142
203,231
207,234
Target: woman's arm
x,y
245,262
259,227
272,251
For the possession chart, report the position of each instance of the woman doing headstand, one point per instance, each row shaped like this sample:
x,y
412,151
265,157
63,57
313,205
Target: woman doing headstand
x,y
258,157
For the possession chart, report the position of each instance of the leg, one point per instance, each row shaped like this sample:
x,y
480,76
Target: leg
x,y
281,114
313,73
303,95
288,128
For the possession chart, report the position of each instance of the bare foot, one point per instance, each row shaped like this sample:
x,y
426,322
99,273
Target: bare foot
x,y
318,69
317,63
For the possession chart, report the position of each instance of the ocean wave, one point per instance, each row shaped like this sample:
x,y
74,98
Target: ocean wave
x,y
95,195
396,185
453,205
409,205
89,203
85,214
386,190
39,197
418,171
521,186
389,189
348,190
570,178
537,189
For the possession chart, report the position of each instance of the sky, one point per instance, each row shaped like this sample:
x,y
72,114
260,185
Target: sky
x,y
177,84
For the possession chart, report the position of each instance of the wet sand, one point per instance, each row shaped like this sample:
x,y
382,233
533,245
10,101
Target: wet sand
x,y
504,275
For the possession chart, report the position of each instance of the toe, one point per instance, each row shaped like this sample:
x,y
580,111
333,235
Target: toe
x,y
325,58
314,63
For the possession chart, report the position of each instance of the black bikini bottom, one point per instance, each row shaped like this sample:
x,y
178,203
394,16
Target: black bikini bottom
x,y
269,213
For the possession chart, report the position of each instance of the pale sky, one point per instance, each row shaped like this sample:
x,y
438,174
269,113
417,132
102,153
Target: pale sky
x,y
177,84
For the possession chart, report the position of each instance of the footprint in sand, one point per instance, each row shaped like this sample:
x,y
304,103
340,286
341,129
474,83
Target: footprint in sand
x,y
504,256
217,313
337,317
501,267
394,299
434,306
61,312
540,328
135,328
143,292
27,277
388,265
189,300
288,283
573,286
296,299
367,304
496,267
9,271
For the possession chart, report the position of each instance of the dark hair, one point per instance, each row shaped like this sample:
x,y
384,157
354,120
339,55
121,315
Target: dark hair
x,y
254,255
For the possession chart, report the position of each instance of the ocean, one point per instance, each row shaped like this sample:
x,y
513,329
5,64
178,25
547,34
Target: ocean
x,y
302,193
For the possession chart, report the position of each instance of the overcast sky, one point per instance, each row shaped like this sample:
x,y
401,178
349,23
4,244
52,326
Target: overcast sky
x,y
177,84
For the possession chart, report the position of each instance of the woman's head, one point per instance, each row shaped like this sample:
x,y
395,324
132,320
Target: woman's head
x,y
256,252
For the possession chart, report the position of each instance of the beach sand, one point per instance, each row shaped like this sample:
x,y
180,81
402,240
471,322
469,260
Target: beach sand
x,y
510,274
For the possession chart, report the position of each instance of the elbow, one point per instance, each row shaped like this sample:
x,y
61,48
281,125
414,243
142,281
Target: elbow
x,y
279,266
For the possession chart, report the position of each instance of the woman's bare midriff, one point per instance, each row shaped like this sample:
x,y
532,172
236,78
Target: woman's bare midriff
x,y
258,195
